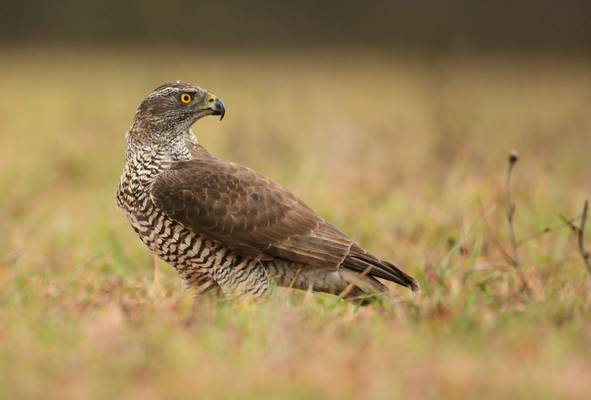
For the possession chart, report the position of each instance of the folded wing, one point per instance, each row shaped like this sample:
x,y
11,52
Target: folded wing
x,y
254,216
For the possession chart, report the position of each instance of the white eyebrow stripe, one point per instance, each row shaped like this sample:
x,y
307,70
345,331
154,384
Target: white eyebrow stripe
x,y
170,90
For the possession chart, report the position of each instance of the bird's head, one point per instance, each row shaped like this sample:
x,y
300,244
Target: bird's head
x,y
172,108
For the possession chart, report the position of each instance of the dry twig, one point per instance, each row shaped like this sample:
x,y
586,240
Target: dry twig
x,y
525,287
351,285
513,158
565,224
580,232
496,242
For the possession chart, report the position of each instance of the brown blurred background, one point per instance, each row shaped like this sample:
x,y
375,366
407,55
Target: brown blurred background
x,y
521,25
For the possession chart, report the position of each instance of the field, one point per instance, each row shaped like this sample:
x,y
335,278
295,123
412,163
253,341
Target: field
x,y
405,153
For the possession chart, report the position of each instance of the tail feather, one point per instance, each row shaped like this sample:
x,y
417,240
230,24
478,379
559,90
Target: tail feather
x,y
366,283
360,261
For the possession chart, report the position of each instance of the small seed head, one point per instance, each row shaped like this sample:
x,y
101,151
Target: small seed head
x,y
513,156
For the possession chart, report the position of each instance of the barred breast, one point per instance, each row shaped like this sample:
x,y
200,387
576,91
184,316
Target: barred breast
x,y
203,264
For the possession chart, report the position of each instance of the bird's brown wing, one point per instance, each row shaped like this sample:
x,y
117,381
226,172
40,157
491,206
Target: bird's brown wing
x,y
254,216
246,212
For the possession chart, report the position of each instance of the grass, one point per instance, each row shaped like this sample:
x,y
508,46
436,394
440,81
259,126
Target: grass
x,y
406,154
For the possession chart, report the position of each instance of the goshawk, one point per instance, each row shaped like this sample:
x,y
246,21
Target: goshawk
x,y
223,226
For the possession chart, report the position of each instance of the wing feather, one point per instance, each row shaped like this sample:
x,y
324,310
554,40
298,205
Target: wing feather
x,y
254,216
246,211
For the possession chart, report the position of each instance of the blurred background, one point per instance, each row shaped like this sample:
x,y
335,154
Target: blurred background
x,y
392,119
521,25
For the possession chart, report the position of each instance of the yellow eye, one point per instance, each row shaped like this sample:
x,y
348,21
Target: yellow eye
x,y
186,98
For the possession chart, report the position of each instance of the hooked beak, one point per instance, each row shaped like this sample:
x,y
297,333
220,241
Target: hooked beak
x,y
214,106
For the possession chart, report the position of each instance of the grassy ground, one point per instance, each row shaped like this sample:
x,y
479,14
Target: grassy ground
x,y
406,154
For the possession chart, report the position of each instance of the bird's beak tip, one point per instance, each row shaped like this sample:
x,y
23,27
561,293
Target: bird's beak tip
x,y
217,106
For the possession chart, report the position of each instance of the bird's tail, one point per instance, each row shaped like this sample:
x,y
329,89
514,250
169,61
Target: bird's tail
x,y
364,263
354,280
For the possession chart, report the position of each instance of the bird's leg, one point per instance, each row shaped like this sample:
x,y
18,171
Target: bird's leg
x,y
205,293
157,286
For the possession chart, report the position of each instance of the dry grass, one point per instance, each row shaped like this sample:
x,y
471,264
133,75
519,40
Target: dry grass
x,y
405,154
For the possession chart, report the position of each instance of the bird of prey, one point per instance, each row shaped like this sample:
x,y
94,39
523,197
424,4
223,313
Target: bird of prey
x,y
223,226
